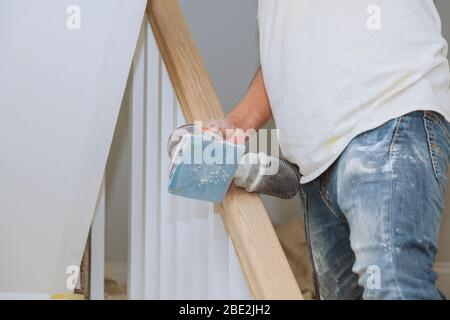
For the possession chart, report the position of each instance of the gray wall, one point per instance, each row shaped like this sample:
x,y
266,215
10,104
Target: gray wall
x,y
227,35
116,202
444,9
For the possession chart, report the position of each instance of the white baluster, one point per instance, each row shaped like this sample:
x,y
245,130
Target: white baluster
x,y
137,174
153,170
168,201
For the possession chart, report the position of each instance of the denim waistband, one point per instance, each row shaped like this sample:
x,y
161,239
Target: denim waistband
x,y
416,114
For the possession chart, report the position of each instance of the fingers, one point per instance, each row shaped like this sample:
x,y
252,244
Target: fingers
x,y
223,127
226,128
220,126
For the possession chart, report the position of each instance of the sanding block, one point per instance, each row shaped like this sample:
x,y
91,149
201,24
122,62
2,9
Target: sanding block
x,y
203,164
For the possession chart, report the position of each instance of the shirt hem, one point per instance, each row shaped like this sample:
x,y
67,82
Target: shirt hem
x,y
317,173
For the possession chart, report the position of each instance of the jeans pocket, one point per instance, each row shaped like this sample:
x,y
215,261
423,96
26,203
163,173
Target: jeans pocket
x,y
438,138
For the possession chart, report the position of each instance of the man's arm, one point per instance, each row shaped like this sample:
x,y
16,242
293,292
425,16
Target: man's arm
x,y
252,112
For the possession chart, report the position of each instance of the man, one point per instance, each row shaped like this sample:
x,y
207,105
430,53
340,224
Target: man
x,y
360,93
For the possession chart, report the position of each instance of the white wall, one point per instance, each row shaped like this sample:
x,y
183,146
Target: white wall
x,y
61,90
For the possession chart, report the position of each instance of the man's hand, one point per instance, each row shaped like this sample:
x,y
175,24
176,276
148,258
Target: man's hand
x,y
250,114
253,111
221,126
228,130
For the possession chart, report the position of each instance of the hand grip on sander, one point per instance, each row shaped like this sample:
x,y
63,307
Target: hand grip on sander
x,y
203,164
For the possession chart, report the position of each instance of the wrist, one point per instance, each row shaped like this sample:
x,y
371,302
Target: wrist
x,y
241,118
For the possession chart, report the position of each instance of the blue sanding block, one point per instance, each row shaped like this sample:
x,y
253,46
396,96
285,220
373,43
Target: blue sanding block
x,y
203,166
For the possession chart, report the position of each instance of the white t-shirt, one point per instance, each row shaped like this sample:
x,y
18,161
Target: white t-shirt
x,y
335,69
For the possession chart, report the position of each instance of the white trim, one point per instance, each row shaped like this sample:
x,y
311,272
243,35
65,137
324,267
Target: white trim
x,y
167,239
152,167
218,284
24,296
97,256
137,174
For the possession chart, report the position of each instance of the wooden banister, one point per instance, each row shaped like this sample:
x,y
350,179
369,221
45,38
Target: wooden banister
x,y
265,266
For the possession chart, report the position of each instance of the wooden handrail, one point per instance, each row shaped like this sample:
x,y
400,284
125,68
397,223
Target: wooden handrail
x,y
265,266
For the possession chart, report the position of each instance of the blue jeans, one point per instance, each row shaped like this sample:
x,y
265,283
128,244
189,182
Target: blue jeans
x,y
372,220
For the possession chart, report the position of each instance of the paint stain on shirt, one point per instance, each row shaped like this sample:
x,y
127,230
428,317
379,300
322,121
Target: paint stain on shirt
x,y
332,142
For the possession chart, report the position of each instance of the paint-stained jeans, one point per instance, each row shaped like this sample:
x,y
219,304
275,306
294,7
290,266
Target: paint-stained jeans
x,y
372,220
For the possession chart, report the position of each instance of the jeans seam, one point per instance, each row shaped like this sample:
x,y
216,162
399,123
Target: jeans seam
x,y
326,199
433,117
431,141
395,135
390,231
308,241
